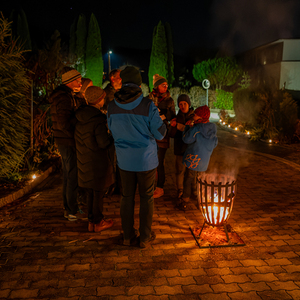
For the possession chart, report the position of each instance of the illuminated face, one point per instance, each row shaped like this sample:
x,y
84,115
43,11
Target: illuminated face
x,y
116,81
75,85
162,88
184,106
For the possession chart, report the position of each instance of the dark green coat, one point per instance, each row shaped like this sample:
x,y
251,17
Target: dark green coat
x,y
95,150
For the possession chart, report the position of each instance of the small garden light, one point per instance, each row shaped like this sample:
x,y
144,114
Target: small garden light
x,y
235,128
33,176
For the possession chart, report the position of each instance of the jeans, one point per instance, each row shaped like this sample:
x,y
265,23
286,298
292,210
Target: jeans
x,y
145,181
95,205
189,184
70,181
161,167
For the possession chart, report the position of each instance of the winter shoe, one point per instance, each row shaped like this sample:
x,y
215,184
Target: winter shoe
x,y
158,192
104,224
80,215
144,244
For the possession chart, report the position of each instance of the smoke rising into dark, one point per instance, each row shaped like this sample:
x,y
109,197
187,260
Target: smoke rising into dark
x,y
241,25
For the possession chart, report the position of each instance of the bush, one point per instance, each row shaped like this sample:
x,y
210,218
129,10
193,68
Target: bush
x,y
246,106
198,96
14,115
224,100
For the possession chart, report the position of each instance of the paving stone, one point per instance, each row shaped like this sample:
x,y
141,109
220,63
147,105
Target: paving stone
x,y
287,285
244,296
24,293
210,296
231,287
168,290
274,295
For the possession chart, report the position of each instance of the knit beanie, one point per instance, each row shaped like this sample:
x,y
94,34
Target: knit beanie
x,y
131,75
94,94
70,76
157,80
184,97
85,82
204,113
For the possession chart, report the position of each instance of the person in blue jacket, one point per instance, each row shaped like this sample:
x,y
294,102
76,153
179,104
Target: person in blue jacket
x,y
135,123
201,139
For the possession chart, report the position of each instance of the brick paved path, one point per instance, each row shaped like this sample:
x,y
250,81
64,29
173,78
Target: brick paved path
x,y
44,256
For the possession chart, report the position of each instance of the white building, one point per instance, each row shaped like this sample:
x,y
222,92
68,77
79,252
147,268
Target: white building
x,y
276,64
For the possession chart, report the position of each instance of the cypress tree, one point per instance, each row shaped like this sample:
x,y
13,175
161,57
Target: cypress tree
x,y
81,43
94,61
159,55
20,29
72,42
14,116
170,77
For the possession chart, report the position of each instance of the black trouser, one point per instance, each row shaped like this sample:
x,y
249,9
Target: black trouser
x,y
145,181
95,205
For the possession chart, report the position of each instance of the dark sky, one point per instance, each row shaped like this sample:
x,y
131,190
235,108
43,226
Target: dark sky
x,y
230,25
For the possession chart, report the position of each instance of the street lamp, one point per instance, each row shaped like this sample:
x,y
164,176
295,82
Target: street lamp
x,y
109,67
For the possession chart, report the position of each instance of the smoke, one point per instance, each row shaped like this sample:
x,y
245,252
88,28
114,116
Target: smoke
x,y
227,160
242,25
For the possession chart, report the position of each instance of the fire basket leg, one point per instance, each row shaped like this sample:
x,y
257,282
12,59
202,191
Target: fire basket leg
x,y
202,229
225,229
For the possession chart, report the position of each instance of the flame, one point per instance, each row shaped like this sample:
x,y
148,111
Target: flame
x,y
214,211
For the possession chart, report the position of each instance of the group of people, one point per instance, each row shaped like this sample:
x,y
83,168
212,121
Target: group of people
x,y
118,138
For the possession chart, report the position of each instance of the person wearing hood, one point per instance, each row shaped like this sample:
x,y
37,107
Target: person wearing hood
x,y
135,124
185,114
201,139
94,146
166,107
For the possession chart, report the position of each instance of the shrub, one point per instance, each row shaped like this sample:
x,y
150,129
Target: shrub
x,y
247,106
224,100
198,96
14,116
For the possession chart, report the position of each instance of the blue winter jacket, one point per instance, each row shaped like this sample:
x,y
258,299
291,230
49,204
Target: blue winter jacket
x,y
135,123
201,140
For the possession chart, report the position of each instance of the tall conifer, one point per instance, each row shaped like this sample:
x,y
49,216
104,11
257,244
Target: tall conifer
x,y
159,55
170,77
81,43
72,42
94,61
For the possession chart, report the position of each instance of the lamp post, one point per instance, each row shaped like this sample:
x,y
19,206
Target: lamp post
x,y
109,67
206,85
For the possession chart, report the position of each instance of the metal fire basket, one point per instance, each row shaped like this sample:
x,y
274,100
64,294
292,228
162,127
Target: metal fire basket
x,y
216,195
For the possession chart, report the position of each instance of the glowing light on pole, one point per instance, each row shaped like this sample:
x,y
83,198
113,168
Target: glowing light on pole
x,y
109,67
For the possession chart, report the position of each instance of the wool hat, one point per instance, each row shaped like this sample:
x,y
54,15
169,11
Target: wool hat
x,y
203,112
131,75
70,76
94,94
157,80
85,82
184,97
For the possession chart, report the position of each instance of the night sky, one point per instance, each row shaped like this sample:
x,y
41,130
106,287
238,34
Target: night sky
x,y
232,26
